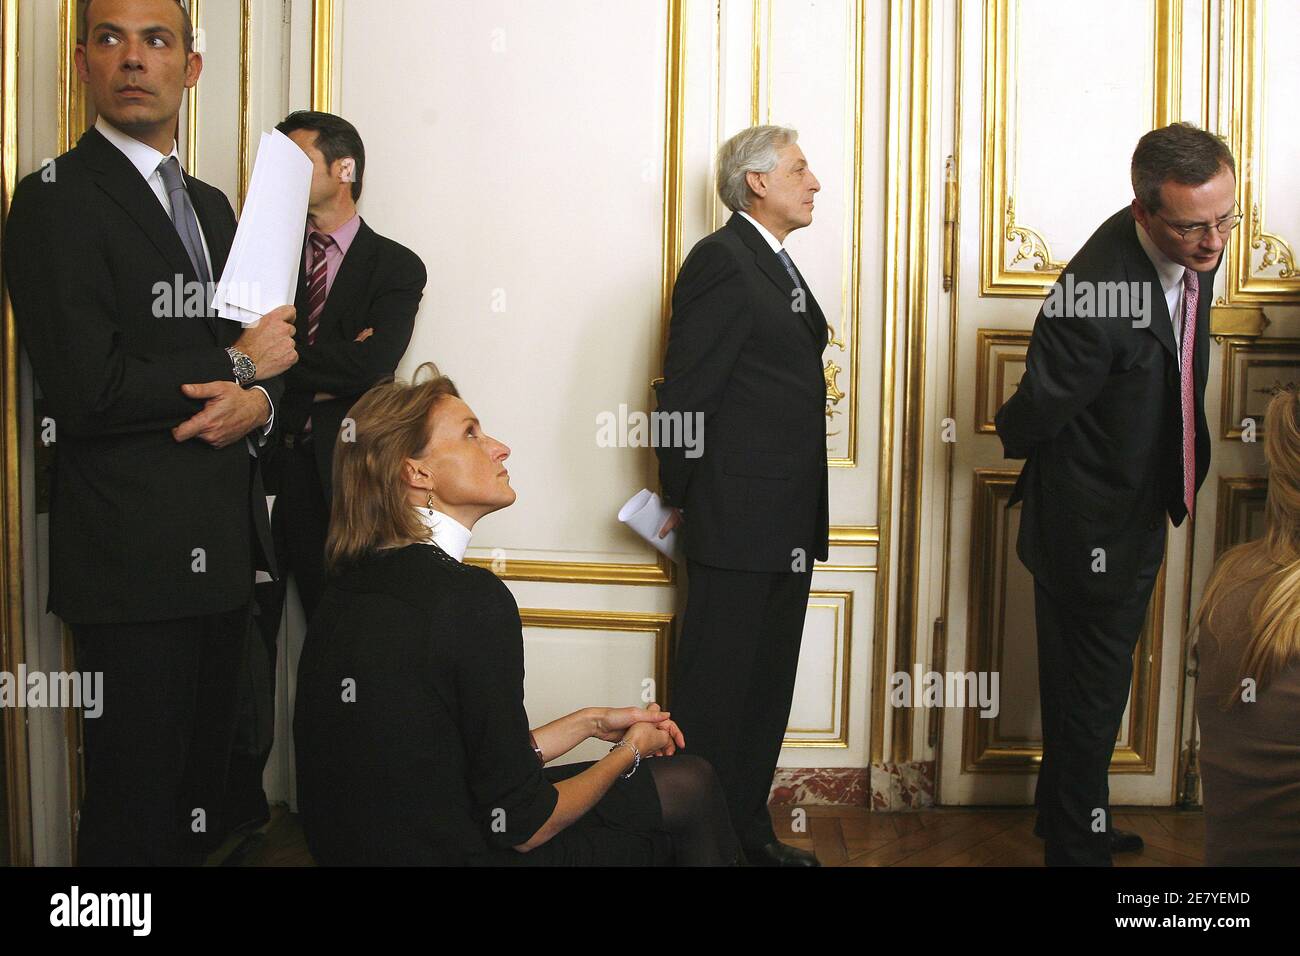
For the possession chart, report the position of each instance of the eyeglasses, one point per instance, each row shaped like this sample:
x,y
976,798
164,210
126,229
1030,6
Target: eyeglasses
x,y
1199,232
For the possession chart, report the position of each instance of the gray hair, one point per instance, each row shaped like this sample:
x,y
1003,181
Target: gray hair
x,y
751,150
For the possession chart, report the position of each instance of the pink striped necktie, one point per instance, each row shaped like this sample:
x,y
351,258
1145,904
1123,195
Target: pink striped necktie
x,y
317,285
1187,347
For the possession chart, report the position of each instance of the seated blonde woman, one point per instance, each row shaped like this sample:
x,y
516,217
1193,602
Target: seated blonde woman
x,y
412,742
1248,689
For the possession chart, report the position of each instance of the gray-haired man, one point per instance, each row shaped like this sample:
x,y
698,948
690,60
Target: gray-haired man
x,y
744,351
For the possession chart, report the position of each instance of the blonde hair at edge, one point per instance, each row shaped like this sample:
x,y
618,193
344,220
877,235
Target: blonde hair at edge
x,y
1274,614
390,423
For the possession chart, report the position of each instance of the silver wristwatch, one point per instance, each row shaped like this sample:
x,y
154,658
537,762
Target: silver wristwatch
x,y
245,370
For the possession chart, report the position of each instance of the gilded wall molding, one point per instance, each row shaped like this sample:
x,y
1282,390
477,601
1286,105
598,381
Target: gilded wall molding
x,y
915,335
1247,280
892,304
662,626
192,100
323,21
72,96
984,748
995,349
13,726
244,167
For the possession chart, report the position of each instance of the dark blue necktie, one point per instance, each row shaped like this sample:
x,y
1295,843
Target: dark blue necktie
x,y
789,267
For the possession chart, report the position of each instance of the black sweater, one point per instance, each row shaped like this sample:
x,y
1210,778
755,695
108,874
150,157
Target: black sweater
x,y
409,727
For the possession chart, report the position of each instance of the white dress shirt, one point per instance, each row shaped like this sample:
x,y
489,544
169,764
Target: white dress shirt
x,y
446,532
1170,274
762,231
146,160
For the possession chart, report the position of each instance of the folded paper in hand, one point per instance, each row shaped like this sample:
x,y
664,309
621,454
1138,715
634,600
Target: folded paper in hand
x,y
645,514
261,272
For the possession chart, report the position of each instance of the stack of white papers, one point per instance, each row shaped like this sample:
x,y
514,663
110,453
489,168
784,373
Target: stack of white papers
x,y
645,514
262,271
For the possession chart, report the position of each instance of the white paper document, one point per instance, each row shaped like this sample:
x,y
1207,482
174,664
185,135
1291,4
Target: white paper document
x,y
645,514
261,273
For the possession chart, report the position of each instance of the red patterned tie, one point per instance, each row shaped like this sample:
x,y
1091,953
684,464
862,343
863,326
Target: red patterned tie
x,y
1191,296
317,285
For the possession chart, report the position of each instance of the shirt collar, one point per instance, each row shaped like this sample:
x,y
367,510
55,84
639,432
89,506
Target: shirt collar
x,y
446,532
762,231
344,234
143,157
1169,272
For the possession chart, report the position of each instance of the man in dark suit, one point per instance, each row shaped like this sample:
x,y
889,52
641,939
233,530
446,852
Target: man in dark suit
x,y
1110,418
157,503
744,358
358,294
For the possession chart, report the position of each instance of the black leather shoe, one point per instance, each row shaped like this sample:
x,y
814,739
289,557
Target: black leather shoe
x,y
1125,841
779,854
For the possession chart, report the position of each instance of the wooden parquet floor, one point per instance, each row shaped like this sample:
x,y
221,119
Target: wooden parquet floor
x,y
854,836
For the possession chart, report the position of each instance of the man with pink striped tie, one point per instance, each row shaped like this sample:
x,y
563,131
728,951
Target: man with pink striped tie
x,y
358,294
1110,419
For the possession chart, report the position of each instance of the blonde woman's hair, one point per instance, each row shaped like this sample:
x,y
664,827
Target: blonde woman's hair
x,y
387,425
1274,614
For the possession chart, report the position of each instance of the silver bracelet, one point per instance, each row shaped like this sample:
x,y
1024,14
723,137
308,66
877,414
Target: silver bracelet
x,y
636,757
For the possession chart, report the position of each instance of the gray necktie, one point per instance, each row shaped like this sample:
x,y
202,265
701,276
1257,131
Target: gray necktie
x,y
789,267
187,224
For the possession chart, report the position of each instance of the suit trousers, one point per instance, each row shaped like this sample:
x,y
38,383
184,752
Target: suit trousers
x,y
733,681
158,753
1085,669
300,521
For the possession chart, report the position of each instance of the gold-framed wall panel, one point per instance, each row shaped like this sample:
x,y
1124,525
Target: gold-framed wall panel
x,y
1245,281
991,552
988,380
662,626
1241,499
1233,408
998,223
326,40
843,662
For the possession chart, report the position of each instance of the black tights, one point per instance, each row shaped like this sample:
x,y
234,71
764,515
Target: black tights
x,y
694,811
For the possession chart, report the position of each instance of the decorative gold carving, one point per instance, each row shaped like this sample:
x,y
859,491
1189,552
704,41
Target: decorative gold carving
x,y
1277,251
833,393
1031,243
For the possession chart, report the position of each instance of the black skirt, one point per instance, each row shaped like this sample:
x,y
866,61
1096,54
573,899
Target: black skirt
x,y
625,828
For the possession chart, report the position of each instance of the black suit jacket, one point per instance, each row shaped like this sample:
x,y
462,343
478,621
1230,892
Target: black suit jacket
x,y
142,527
740,354
1098,416
379,286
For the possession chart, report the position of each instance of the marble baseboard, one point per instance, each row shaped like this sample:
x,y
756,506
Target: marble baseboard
x,y
908,786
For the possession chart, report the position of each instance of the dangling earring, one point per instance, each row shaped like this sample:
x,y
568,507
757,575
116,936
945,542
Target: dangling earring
x,y
430,504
